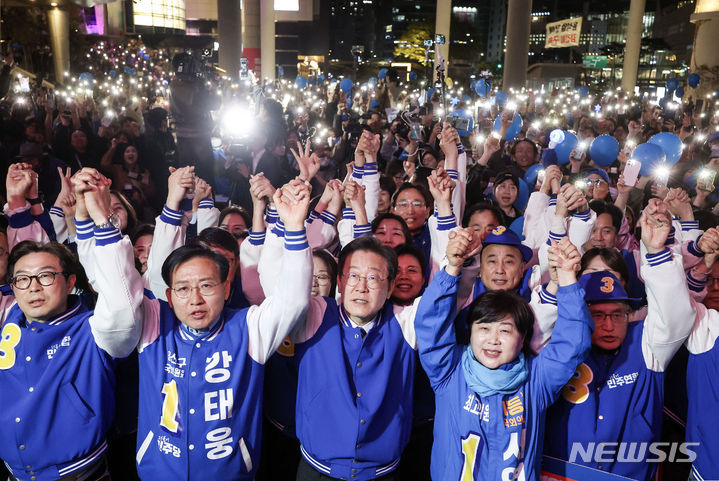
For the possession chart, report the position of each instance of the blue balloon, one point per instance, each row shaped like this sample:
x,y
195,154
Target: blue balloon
x,y
320,79
482,87
564,148
650,155
604,150
501,98
430,92
301,82
346,85
679,92
473,84
382,73
463,115
693,80
87,77
312,80
583,91
372,82
112,74
530,176
146,56
522,195
672,84
513,129
127,69
517,226
412,76
133,71
670,144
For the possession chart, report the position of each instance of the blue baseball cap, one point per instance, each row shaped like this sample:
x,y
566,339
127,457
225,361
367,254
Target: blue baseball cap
x,y
603,286
601,173
503,235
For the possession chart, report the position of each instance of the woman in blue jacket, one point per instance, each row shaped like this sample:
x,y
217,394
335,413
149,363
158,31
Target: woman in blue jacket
x,y
492,395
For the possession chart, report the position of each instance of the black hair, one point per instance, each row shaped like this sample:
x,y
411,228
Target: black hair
x,y
69,264
611,257
370,244
236,209
216,236
601,207
185,253
416,252
419,188
513,149
331,263
481,207
141,230
393,168
378,220
387,184
131,214
495,306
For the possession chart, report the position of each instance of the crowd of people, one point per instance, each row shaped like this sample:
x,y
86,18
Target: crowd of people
x,y
204,279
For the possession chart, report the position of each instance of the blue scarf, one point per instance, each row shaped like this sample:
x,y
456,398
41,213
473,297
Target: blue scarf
x,y
505,379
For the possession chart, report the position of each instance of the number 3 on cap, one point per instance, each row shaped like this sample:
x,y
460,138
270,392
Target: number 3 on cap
x,y
10,338
607,285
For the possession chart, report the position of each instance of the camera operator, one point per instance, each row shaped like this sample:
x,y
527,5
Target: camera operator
x,y
191,101
256,153
343,151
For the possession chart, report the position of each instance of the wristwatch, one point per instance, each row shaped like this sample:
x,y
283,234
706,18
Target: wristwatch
x,y
112,221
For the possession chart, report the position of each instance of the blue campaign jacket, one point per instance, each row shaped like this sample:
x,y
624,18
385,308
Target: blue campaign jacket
x,y
703,412
354,398
499,436
200,402
612,398
57,402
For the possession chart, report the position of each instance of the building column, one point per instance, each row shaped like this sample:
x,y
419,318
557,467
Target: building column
x,y
516,57
267,21
229,29
442,24
705,54
634,43
59,22
251,34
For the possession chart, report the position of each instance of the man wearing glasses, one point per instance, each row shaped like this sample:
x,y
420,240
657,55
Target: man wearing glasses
x,y
202,364
356,365
617,395
56,352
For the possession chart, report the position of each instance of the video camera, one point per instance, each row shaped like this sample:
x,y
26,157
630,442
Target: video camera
x,y
188,67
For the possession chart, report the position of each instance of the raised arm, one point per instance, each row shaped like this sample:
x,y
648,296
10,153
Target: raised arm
x,y
670,313
571,337
441,187
117,320
203,206
455,163
21,187
270,322
439,352
169,229
63,211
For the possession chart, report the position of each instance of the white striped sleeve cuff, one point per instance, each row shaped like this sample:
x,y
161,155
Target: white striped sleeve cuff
x,y
169,216
296,240
84,229
660,257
